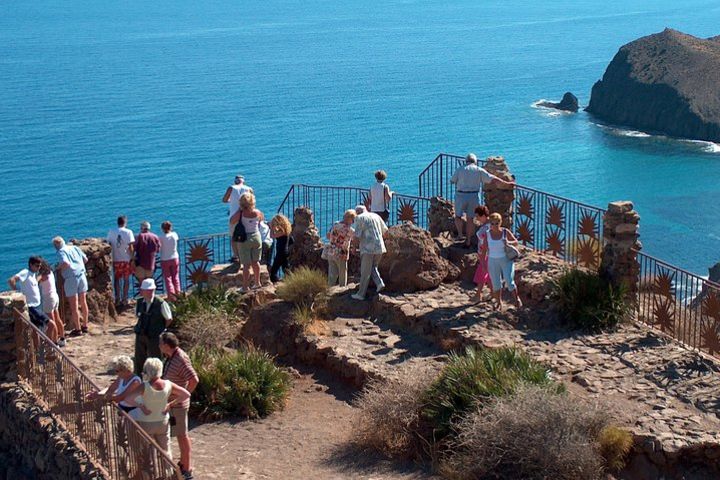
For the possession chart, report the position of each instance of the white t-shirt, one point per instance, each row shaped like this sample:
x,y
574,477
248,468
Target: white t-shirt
x,y
235,194
377,197
48,290
120,239
29,287
265,233
168,246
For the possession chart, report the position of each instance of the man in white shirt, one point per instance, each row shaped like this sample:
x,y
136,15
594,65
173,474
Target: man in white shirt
x,y
468,181
122,241
232,198
26,281
369,229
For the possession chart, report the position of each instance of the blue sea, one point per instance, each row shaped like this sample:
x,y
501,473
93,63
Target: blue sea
x,y
150,108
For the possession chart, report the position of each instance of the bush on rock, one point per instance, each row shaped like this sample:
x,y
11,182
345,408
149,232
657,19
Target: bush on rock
x,y
243,383
301,286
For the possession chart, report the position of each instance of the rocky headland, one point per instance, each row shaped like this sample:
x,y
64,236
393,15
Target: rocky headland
x,y
667,83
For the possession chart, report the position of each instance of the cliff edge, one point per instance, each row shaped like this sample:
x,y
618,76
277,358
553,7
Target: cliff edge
x,y
668,82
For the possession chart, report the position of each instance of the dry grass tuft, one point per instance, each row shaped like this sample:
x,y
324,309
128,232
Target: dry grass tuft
x,y
302,285
389,419
615,444
208,329
533,435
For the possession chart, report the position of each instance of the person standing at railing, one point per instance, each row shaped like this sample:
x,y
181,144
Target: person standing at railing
x,y
154,316
370,229
170,260
280,230
179,370
26,281
337,251
247,234
122,241
122,367
232,198
482,276
500,264
468,181
147,244
71,262
51,300
380,196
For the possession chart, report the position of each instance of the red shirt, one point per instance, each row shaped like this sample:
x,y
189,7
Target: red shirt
x,y
179,370
147,244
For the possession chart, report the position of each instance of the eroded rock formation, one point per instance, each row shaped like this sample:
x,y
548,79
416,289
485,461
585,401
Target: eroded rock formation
x,y
569,103
666,82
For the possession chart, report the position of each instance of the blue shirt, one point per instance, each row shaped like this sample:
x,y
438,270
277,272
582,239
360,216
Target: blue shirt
x,y
470,178
74,257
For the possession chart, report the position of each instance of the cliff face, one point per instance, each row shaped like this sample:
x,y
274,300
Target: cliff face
x,y
667,82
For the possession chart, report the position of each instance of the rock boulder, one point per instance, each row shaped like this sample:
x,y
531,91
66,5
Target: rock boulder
x,y
569,103
100,300
413,261
307,246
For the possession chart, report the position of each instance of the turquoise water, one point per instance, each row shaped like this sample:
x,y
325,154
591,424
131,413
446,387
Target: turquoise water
x,y
150,108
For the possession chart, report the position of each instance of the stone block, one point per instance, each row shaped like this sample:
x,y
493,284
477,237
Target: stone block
x,y
230,275
620,207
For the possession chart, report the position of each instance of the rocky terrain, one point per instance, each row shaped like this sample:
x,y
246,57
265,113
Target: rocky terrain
x,y
666,82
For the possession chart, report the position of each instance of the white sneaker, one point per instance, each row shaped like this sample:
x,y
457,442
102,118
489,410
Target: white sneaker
x,y
61,342
357,296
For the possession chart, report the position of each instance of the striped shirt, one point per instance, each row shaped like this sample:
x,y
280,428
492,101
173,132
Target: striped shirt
x,y
179,370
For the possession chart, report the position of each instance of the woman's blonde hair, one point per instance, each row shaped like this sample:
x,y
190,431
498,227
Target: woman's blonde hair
x,y
349,214
280,223
152,368
121,362
496,217
247,200
380,175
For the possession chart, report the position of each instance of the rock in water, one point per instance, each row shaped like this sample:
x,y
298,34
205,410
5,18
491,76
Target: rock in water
x,y
666,82
568,103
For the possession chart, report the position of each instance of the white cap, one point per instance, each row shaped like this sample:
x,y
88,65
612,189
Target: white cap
x,y
147,284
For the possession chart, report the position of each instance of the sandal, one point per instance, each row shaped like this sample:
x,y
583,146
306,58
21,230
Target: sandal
x,y
84,329
75,333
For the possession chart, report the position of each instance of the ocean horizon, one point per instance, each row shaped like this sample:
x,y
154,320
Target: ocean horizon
x,y
150,109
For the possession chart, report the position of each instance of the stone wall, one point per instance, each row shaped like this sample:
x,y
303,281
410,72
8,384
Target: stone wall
x,y
101,303
34,445
441,216
8,352
619,262
500,198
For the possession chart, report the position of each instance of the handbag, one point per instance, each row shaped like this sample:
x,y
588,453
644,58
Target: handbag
x,y
239,234
511,252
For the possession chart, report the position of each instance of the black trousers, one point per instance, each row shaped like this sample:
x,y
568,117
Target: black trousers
x,y
145,347
280,261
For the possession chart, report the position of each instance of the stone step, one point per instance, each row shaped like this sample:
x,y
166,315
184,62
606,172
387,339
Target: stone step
x,y
230,275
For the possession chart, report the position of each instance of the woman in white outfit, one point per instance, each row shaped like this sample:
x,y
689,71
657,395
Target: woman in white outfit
x,y
380,196
499,266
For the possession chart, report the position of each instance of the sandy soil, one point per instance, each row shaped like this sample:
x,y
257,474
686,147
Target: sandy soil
x,y
307,440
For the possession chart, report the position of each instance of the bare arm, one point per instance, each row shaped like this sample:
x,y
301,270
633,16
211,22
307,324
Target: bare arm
x,y
510,238
192,384
226,197
12,281
178,395
500,181
137,388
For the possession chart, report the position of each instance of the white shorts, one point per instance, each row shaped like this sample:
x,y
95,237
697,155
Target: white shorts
x,y
50,304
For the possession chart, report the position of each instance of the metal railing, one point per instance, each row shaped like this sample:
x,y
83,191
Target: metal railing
x,y
434,180
567,229
329,203
680,304
109,436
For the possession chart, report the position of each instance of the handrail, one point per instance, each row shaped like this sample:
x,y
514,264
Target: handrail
x,y
133,427
558,197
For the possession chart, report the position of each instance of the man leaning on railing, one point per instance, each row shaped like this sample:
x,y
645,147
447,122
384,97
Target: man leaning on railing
x,y
469,181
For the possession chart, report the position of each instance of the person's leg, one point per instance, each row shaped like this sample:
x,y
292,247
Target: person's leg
x,y
117,280
459,209
276,264
332,272
82,300
342,272
470,225
153,348
509,275
495,269
140,353
246,276
175,274
55,315
181,432
234,246
167,279
74,316
256,273
376,273
125,281
366,265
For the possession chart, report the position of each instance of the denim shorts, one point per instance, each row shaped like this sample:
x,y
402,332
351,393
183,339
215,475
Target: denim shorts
x,y
75,284
466,203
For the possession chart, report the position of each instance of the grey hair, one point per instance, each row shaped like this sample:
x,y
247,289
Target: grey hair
x,y
360,209
471,158
152,368
58,241
145,225
121,362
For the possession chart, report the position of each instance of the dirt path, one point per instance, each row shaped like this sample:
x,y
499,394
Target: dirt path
x,y
307,440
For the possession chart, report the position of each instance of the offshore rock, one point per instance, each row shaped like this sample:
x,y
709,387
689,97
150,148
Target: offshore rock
x,y
569,103
666,82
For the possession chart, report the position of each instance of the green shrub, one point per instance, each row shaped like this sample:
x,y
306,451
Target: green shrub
x,y
615,443
203,300
301,286
585,300
303,315
244,383
470,379
534,434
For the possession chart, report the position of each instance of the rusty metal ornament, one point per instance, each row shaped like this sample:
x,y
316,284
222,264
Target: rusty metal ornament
x,y
407,211
664,314
200,251
526,232
525,205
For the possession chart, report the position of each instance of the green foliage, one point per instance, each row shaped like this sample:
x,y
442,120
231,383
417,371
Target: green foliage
x,y
586,301
243,383
301,286
303,315
469,380
615,443
203,300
